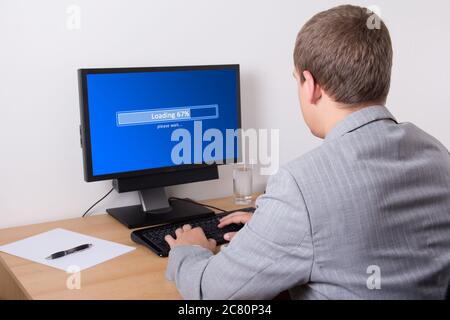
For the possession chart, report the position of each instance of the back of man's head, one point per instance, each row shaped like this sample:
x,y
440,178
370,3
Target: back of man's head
x,y
348,55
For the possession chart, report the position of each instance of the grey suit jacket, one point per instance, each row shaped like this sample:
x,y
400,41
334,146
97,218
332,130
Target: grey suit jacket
x,y
364,216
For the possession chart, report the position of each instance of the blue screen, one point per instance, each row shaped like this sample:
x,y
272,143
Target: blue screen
x,y
132,116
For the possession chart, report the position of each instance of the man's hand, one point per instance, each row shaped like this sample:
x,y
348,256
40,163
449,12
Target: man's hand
x,y
187,236
238,217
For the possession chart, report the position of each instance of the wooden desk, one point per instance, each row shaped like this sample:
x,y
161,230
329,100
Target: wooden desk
x,y
136,275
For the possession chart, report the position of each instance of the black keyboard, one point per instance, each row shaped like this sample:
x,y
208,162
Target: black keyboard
x,y
153,237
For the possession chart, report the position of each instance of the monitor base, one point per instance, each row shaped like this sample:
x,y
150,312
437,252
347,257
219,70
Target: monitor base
x,y
135,217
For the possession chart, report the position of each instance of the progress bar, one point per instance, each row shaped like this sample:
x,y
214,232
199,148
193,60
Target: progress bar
x,y
152,116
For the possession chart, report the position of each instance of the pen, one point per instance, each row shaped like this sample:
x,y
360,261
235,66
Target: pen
x,y
60,254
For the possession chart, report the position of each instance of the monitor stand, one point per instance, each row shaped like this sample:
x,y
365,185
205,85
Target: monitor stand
x,y
155,209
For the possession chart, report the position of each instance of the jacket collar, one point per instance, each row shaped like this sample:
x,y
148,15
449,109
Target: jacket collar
x,y
359,119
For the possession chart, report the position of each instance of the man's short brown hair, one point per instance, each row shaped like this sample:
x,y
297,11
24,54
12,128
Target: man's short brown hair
x,y
348,54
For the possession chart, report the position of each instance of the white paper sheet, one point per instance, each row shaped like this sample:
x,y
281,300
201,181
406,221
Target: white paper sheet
x,y
38,247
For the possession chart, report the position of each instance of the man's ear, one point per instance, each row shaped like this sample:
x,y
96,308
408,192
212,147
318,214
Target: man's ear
x,y
313,90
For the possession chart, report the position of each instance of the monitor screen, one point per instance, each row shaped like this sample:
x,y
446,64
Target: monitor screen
x,y
160,117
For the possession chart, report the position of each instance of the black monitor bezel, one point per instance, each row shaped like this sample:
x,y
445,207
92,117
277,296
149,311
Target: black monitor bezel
x,y
85,121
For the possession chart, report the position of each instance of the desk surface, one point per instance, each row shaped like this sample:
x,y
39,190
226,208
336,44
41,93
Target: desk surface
x,y
136,275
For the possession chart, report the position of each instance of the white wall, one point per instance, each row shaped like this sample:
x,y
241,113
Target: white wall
x,y
41,168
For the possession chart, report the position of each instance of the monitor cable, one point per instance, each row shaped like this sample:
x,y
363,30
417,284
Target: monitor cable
x,y
170,199
86,212
198,203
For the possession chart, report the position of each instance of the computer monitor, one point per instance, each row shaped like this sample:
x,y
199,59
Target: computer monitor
x,y
148,128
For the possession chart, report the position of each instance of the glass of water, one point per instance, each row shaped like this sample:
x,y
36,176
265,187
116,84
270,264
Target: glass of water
x,y
242,184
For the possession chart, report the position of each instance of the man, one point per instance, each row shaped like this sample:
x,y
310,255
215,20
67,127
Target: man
x,y
364,216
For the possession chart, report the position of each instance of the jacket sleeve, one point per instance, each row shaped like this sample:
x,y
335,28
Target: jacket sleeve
x,y
271,253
